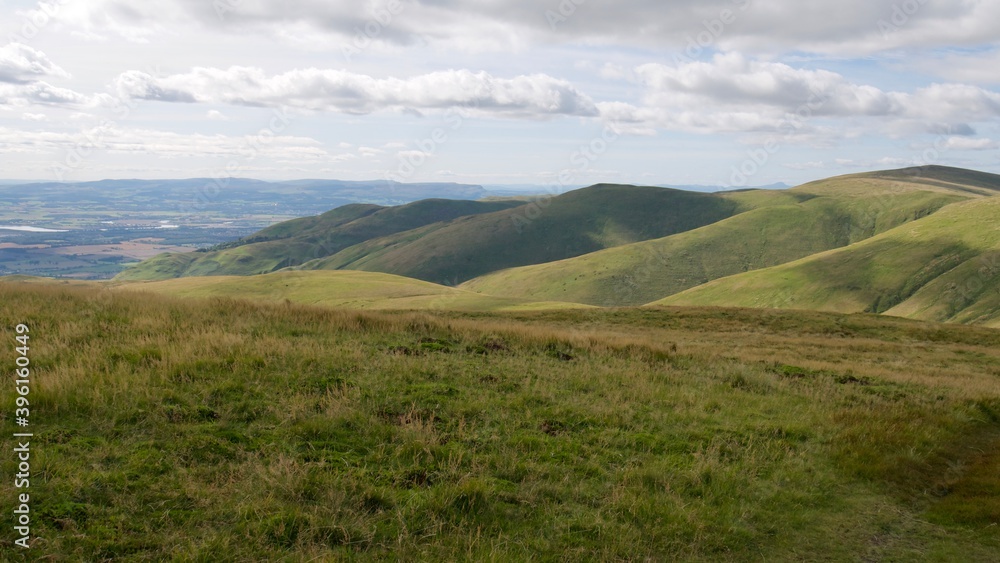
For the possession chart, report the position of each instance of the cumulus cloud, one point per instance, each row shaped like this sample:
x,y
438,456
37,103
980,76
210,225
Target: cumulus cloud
x,y
532,96
44,94
734,93
967,144
21,64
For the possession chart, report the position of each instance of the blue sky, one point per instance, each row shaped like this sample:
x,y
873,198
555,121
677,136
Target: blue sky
x,y
717,92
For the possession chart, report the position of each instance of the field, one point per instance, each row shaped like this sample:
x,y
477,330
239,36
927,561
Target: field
x,y
346,289
216,429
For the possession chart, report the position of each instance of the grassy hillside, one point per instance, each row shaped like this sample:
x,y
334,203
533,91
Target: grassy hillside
x,y
944,267
571,224
221,430
297,241
778,227
354,290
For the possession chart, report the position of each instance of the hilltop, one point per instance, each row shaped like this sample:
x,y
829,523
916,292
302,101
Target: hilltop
x,y
571,224
777,227
450,242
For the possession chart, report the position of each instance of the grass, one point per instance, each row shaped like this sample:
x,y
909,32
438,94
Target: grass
x,y
943,268
348,289
779,228
295,242
219,429
571,224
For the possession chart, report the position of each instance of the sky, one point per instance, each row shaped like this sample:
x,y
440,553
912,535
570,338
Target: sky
x,y
557,92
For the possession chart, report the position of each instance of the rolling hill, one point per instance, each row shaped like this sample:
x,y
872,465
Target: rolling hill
x,y
779,227
945,267
294,242
349,290
572,224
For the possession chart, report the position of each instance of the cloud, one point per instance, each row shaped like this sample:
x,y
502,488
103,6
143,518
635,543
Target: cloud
x,y
967,144
849,26
21,64
735,93
114,139
531,96
44,94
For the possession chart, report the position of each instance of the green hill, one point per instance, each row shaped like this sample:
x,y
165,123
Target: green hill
x,y
294,242
945,267
168,429
778,227
347,289
572,224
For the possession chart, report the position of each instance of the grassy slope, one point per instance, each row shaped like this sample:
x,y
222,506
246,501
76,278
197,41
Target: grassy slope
x,y
354,290
780,227
568,225
943,267
294,242
222,430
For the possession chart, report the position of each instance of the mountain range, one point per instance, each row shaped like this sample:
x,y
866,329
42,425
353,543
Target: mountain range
x,y
917,242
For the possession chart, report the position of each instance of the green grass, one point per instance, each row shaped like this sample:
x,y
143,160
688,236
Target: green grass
x,y
778,227
571,224
217,429
944,268
346,289
295,242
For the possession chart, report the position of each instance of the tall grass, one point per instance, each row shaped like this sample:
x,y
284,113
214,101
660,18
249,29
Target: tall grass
x,y
225,430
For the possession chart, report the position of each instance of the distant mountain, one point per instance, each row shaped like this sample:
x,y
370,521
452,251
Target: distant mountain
x,y
917,242
295,242
299,197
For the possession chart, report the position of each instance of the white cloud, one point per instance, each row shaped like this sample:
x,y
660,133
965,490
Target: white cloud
x,y
164,144
44,94
34,117
530,96
848,26
967,144
812,165
21,64
216,115
734,93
